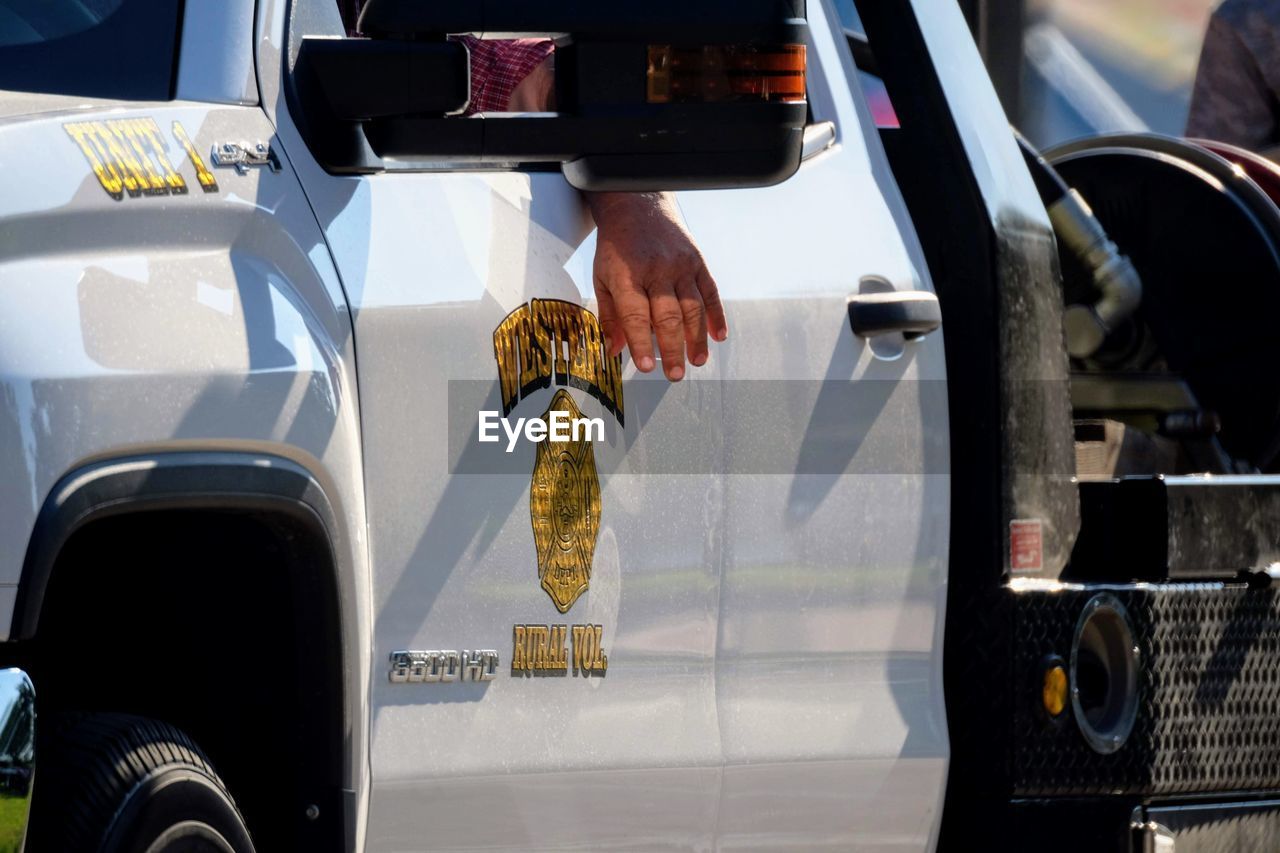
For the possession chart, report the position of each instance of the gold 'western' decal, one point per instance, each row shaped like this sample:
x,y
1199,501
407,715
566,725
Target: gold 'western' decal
x,y
129,156
549,340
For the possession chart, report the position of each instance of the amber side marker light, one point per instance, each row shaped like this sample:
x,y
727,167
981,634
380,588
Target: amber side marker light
x,y
721,73
1053,689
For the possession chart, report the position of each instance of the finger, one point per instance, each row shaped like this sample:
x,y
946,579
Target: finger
x,y
632,311
668,326
608,316
695,321
717,325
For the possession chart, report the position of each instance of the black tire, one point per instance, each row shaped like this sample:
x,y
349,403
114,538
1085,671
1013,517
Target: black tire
x,y
114,783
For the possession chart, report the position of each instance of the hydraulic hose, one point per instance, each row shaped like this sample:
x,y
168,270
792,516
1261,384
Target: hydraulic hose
x,y
1048,182
1087,326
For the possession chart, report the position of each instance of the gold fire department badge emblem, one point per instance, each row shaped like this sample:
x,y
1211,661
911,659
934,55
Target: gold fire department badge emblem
x,y
564,504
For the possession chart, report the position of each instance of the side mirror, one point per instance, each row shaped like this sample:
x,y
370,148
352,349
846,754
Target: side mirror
x,y
651,94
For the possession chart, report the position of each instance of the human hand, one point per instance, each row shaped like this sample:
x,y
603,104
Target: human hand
x,y
650,278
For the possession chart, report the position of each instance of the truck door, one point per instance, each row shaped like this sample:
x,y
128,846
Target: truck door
x,y
729,632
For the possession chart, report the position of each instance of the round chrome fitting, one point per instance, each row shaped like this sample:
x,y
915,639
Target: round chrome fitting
x,y
1104,674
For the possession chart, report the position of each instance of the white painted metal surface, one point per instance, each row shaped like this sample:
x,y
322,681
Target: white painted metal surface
x,y
213,66
774,638
204,320
772,610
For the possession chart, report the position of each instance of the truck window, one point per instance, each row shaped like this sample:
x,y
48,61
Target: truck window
x,y
119,49
850,19
873,87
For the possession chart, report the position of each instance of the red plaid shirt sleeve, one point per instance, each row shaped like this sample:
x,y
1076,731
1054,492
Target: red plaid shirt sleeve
x,y
498,66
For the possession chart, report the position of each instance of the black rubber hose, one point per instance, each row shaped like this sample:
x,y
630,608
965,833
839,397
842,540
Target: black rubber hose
x,y
1048,182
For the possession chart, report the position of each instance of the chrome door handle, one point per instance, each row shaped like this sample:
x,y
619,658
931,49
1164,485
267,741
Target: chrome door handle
x,y
914,313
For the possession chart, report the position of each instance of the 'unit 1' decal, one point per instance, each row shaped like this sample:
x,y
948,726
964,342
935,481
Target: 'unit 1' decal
x,y
129,156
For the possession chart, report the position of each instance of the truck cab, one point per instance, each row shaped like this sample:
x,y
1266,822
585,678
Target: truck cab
x,y
242,388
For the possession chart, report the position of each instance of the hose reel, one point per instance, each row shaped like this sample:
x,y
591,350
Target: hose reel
x,y
1204,239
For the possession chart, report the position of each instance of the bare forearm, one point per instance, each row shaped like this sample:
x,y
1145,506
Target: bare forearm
x,y
649,277
609,207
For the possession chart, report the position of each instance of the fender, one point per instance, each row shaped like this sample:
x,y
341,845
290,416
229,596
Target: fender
x,y
320,568
158,349
196,480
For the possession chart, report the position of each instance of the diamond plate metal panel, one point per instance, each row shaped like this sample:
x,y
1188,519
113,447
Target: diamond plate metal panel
x,y
1209,712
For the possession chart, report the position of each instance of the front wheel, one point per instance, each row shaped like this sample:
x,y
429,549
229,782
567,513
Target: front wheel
x,y
114,783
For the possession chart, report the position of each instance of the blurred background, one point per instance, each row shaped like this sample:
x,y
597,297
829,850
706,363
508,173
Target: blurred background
x,y
1070,68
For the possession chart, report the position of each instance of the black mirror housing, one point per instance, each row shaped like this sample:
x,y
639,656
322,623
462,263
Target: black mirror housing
x,y
694,21
362,79
650,96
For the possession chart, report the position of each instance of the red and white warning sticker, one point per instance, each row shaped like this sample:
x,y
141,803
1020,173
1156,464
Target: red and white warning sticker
x,y
1026,545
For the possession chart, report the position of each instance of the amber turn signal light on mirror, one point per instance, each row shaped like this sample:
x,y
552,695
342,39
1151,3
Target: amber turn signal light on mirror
x,y
724,73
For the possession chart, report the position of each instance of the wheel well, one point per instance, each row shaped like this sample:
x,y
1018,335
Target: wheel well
x,y
222,622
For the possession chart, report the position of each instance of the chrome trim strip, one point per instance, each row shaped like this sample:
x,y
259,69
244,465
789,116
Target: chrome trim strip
x,y
818,138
